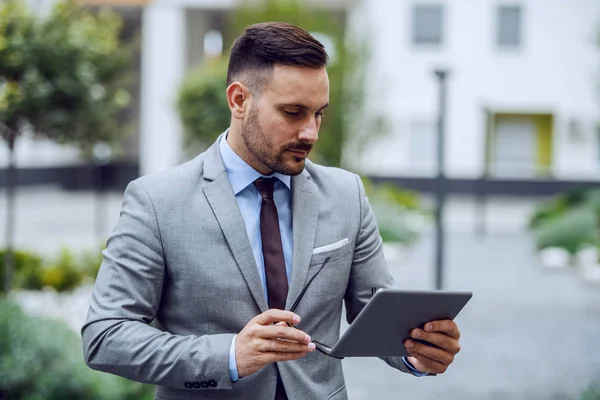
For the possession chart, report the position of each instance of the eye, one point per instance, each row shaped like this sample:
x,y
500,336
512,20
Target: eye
x,y
292,114
320,114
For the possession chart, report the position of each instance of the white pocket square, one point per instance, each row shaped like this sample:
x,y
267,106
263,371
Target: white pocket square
x,y
332,246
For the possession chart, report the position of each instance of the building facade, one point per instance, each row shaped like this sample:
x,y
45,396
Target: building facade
x,y
523,85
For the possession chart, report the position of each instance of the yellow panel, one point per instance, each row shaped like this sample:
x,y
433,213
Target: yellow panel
x,y
544,139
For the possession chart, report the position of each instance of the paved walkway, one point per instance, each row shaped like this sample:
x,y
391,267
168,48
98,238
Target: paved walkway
x,y
527,333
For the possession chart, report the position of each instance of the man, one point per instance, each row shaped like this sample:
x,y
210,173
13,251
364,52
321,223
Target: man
x,y
207,256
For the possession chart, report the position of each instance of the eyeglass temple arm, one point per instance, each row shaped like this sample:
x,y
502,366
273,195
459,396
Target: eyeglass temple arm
x,y
323,348
307,285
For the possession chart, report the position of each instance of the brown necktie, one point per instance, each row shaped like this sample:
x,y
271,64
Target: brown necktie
x,y
277,285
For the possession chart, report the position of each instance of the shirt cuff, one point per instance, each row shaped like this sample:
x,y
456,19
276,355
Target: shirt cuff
x,y
233,371
412,368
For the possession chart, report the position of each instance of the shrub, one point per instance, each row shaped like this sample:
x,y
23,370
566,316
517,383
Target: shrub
x,y
591,393
42,359
593,200
563,202
27,271
570,220
570,231
64,273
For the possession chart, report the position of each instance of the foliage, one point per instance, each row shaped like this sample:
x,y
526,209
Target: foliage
x,y
205,114
41,359
571,231
62,74
569,220
64,273
202,105
591,393
397,210
28,267
557,206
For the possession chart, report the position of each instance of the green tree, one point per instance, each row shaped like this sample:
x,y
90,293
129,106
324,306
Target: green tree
x,y
202,105
61,78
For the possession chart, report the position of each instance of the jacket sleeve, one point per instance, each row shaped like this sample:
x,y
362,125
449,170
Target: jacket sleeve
x,y
369,268
117,335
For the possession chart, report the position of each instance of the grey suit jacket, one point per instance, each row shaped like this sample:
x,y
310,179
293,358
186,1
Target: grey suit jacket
x,y
179,280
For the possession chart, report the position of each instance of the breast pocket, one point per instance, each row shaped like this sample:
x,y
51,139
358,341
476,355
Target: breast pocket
x,y
334,251
330,285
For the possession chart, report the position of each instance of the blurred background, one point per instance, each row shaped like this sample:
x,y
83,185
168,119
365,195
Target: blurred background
x,y
475,125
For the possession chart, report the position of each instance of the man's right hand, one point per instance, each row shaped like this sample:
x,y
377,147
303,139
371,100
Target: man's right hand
x,y
261,342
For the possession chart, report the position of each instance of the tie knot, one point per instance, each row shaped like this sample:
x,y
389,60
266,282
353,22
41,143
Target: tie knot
x,y
265,187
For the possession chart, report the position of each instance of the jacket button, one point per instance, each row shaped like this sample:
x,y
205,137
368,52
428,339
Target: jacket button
x,y
197,385
188,385
204,384
212,383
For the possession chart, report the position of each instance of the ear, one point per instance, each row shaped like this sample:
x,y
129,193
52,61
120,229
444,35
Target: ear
x,y
238,99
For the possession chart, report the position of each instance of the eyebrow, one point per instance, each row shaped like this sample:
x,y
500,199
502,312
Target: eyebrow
x,y
301,106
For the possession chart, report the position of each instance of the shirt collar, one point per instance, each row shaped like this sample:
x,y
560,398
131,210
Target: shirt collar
x,y
240,174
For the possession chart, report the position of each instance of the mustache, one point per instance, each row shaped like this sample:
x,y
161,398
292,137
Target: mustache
x,y
300,146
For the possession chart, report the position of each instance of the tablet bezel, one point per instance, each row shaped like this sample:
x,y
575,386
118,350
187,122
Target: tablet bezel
x,y
375,333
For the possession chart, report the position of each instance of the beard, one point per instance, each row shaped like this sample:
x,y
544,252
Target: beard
x,y
261,147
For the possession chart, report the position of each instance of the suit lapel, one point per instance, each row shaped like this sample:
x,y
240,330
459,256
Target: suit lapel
x,y
220,196
305,213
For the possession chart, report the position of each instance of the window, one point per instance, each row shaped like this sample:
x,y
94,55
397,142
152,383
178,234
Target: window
x,y
509,32
428,25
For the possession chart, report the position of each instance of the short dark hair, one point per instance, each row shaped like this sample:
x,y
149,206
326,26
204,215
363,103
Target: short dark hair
x,y
256,51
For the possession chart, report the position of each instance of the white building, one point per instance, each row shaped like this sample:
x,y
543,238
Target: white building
x,y
532,64
523,89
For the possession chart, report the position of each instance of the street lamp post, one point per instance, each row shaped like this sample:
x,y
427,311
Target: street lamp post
x,y
441,75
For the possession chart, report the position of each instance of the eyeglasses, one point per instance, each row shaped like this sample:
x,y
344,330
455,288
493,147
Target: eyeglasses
x,y
323,348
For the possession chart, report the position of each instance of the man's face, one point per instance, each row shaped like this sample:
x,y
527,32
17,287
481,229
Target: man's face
x,y
283,122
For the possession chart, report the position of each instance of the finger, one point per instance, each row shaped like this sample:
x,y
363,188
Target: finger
x,y
446,326
274,315
431,352
283,332
439,339
285,346
428,365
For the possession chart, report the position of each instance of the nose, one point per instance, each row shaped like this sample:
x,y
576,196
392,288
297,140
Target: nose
x,y
309,132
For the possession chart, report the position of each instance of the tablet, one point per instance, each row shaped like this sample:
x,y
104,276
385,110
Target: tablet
x,y
383,325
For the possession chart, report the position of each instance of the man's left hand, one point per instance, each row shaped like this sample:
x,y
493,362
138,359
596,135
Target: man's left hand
x,y
429,359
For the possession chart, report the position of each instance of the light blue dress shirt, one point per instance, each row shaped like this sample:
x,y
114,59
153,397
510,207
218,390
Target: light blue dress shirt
x,y
241,177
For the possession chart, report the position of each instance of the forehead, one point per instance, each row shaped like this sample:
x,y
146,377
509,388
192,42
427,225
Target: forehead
x,y
298,85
